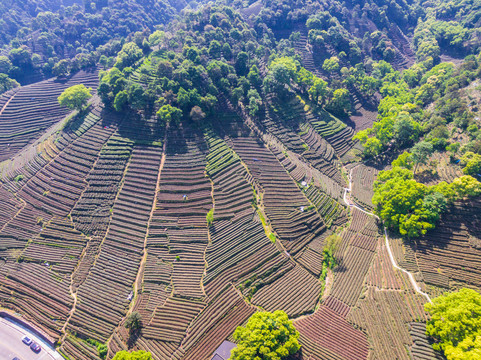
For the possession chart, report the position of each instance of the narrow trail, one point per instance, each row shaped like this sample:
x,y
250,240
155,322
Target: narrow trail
x,y
351,204
6,104
138,279
71,312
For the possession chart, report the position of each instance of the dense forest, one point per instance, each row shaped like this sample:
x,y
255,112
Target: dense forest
x,y
297,178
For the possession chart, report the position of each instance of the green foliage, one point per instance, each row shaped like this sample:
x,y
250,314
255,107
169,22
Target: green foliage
x,y
266,336
406,130
133,322
472,163
102,350
399,202
331,65
169,113
455,324
318,91
6,83
282,71
62,68
466,186
210,217
340,103
404,160
412,208
330,247
18,178
134,355
156,37
75,97
121,100
129,54
255,102
372,147
421,152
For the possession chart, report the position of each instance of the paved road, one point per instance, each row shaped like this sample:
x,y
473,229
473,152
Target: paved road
x,y
11,344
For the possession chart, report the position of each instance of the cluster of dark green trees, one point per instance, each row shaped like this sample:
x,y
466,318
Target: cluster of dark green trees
x,y
182,72
189,69
402,115
44,37
423,102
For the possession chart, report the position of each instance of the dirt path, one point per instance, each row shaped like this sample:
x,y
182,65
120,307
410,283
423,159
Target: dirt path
x,y
72,310
138,279
6,104
351,204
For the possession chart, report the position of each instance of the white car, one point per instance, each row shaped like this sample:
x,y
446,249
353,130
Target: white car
x,y
26,340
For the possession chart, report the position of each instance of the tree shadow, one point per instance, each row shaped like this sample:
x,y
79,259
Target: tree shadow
x,y
134,335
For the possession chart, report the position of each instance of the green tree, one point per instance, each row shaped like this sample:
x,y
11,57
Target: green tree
x,y
330,247
284,70
215,49
254,77
121,100
369,85
455,324
61,68
254,102
318,91
472,163
75,97
405,205
466,186
227,51
133,322
156,37
6,83
372,147
404,160
421,152
331,65
210,217
169,113
340,103
406,130
136,96
134,355
5,65
129,54
266,336
241,63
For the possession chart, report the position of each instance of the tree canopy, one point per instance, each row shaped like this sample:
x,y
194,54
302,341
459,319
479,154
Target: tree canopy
x,y
411,207
455,324
75,97
266,336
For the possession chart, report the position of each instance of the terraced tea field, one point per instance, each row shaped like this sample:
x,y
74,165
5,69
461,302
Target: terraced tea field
x,y
97,224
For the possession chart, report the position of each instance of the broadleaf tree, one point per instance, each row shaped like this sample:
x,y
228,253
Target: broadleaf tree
x,y
266,336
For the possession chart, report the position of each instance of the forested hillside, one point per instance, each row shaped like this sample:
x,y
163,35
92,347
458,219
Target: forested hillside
x,y
176,175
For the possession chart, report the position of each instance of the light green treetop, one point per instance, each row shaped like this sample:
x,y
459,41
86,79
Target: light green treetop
x,y
456,324
266,336
75,97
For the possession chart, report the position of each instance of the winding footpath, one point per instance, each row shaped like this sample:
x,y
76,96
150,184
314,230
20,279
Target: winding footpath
x,y
351,204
